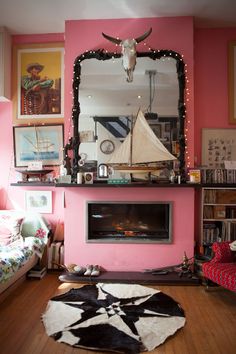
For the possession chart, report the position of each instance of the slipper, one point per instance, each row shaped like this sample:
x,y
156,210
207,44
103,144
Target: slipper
x,y
95,271
89,269
79,270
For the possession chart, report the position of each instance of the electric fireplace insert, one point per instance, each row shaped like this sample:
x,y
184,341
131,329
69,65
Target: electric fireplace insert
x,y
129,222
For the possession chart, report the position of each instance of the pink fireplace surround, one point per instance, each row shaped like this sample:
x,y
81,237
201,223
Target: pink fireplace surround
x,y
174,33
128,257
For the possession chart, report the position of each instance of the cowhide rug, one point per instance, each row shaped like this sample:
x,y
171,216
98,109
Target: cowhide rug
x,y
125,318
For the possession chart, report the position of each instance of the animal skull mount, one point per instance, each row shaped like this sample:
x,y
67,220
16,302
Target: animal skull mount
x,y
128,51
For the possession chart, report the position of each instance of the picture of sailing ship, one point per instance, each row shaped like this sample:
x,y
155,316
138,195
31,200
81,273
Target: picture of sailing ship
x,y
43,149
38,143
141,151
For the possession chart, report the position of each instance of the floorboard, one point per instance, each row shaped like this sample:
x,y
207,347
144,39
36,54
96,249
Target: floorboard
x,y
210,327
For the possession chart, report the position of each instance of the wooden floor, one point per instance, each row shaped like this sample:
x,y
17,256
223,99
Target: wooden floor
x,y
210,326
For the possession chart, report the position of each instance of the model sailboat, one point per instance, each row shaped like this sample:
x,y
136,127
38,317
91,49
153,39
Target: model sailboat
x,y
140,148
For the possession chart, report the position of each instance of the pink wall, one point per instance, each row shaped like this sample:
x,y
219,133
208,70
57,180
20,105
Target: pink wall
x,y
13,197
174,33
211,81
128,257
205,53
168,33
6,151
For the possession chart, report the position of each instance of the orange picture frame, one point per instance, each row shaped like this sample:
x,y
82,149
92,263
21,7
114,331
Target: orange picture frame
x,y
38,83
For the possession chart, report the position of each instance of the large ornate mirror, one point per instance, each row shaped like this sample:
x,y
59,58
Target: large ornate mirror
x,y
104,103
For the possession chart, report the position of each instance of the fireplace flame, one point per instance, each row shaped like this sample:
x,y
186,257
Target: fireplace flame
x,y
129,233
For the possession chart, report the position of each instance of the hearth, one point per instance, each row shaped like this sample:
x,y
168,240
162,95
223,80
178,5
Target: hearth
x,y
129,222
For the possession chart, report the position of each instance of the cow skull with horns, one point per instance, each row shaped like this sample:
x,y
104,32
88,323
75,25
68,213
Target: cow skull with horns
x,y
128,51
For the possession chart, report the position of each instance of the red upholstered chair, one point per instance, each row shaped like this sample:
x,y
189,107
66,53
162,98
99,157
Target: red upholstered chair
x,y
222,268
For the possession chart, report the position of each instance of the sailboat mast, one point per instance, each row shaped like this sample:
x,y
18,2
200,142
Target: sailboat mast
x,y
131,140
37,139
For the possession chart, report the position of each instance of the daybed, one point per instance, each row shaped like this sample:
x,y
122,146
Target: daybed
x,y
22,242
222,268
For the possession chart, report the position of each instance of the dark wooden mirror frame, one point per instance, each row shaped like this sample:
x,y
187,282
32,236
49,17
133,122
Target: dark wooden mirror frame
x,y
74,141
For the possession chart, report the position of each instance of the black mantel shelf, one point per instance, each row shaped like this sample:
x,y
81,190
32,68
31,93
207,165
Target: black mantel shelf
x,y
128,185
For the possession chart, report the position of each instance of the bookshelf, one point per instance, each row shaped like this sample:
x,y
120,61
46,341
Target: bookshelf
x,y
218,216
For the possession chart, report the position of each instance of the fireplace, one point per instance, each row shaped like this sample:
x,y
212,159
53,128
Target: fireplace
x,y
129,222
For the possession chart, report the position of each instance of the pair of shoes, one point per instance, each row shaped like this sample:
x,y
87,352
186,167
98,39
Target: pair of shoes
x,y
92,270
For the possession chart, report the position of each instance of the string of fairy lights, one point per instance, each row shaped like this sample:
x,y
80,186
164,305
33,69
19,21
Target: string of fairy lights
x,y
166,56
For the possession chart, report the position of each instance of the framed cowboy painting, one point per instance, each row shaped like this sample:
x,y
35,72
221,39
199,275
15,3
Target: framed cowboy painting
x,y
38,83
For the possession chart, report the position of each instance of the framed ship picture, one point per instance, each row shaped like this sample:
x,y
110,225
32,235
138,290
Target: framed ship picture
x,y
38,143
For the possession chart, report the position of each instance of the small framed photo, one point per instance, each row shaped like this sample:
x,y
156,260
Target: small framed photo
x,y
194,175
218,146
157,129
38,143
167,127
38,201
87,136
38,83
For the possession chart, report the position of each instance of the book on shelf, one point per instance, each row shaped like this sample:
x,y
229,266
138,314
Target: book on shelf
x,y
219,212
208,212
217,175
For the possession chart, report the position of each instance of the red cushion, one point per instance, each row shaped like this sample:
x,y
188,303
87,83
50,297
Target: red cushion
x,y
223,253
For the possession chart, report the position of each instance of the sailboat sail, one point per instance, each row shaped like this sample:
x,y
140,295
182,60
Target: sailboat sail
x,y
145,148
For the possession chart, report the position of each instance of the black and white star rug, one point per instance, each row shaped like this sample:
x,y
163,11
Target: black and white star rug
x,y
124,318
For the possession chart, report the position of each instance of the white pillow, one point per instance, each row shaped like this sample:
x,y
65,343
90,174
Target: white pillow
x,y
233,246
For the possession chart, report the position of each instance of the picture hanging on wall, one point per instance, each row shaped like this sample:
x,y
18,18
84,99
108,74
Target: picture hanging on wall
x,y
38,201
38,86
218,146
38,143
232,81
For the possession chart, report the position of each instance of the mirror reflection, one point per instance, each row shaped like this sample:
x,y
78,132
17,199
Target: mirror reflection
x,y
105,104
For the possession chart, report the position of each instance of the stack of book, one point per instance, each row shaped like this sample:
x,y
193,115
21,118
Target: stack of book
x,y
37,272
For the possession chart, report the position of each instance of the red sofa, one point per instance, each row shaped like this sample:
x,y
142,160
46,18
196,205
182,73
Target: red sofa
x,y
222,267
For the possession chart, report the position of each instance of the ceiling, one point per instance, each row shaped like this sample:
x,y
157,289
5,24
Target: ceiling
x,y
49,16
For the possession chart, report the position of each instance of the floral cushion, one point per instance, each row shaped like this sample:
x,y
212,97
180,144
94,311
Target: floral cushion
x,y
10,225
10,222
35,225
23,224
